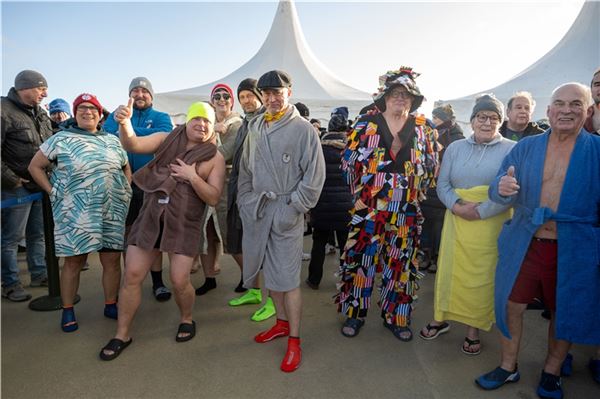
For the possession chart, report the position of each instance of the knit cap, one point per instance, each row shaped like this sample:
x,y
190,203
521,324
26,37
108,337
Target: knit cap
x,y
444,112
221,87
488,102
59,105
143,83
29,79
200,110
87,98
250,85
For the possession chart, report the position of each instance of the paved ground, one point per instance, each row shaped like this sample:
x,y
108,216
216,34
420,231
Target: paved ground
x,y
40,361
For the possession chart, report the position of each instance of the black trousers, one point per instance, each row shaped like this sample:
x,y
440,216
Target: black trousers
x,y
317,253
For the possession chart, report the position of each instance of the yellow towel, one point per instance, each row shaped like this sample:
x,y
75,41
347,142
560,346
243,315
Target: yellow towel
x,y
464,283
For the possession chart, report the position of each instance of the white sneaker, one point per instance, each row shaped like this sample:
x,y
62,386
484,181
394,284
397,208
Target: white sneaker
x,y
305,256
330,249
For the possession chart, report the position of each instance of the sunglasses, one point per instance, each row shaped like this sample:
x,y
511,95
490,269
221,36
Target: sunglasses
x,y
218,97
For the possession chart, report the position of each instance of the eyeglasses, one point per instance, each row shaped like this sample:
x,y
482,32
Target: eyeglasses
x,y
400,93
83,108
218,96
483,118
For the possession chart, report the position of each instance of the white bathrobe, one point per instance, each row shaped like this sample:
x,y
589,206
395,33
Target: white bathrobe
x,y
282,172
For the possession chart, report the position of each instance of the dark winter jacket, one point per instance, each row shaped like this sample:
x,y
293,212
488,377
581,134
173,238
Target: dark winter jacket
x,y
448,132
335,202
23,129
531,129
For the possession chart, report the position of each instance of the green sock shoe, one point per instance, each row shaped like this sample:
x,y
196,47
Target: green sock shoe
x,y
252,297
265,312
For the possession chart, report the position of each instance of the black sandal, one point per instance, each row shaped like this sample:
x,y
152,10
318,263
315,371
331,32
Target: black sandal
x,y
398,331
116,346
354,324
186,328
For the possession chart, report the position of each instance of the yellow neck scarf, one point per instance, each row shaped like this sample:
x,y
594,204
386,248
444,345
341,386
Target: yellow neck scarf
x,y
270,118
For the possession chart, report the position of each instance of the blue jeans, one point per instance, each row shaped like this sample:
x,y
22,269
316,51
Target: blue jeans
x,y
24,220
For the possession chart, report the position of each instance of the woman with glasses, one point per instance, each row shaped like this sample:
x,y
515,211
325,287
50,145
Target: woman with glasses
x,y
90,192
227,124
390,161
464,285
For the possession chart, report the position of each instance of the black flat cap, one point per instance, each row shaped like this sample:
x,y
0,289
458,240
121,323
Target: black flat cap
x,y
274,79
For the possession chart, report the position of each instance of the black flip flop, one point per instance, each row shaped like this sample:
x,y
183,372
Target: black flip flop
x,y
116,346
439,330
186,328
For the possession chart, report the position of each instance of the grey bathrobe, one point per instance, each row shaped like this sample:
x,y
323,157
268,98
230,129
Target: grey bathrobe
x,y
282,172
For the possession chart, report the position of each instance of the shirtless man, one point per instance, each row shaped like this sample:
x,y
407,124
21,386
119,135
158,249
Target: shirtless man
x,y
186,174
549,249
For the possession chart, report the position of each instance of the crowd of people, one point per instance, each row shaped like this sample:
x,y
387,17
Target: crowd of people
x,y
506,217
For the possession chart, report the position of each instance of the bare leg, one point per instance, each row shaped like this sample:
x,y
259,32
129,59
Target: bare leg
x,y
279,302
182,286
293,309
210,261
69,278
111,274
130,295
510,347
557,350
239,259
157,264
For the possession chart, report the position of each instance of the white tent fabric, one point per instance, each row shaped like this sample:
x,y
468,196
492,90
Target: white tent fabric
x,y
573,59
284,48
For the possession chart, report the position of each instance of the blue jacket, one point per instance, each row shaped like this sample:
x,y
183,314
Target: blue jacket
x,y
578,224
145,122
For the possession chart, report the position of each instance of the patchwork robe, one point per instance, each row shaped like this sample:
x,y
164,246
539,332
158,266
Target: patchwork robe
x,y
578,223
281,175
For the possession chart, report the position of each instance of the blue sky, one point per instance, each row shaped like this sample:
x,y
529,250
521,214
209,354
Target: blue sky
x,y
459,48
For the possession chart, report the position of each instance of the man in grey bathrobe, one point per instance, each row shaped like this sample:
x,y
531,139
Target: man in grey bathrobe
x,y
282,172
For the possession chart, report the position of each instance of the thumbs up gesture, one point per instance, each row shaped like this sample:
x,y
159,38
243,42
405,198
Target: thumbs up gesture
x,y
124,112
508,185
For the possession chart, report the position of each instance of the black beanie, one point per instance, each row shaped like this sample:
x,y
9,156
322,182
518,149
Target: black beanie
x,y
303,109
250,85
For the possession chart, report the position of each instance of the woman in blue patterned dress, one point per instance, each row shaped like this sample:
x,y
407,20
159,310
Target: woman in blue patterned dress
x,y
90,192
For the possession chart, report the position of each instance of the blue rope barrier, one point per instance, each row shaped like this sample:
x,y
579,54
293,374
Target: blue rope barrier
x,y
7,203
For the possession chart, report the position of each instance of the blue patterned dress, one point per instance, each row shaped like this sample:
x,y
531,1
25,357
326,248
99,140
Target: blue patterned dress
x,y
90,193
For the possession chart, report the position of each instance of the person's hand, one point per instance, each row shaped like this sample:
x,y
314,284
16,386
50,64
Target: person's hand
x,y
182,170
508,185
123,113
20,182
466,210
59,117
220,128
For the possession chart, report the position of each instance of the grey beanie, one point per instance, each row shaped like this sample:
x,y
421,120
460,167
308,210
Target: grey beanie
x,y
142,82
488,102
29,79
444,112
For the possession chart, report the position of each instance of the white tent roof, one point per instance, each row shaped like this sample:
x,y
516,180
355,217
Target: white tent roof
x,y
573,59
285,48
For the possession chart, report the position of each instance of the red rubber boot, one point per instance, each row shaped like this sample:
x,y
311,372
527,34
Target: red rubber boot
x,y
280,329
293,356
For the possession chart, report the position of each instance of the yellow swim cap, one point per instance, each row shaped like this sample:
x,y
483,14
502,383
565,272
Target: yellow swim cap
x,y
202,110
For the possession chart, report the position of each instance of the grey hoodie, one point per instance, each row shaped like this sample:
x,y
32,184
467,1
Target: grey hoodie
x,y
468,164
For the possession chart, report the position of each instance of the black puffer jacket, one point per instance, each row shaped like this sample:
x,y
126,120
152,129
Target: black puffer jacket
x,y
24,129
335,202
448,132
